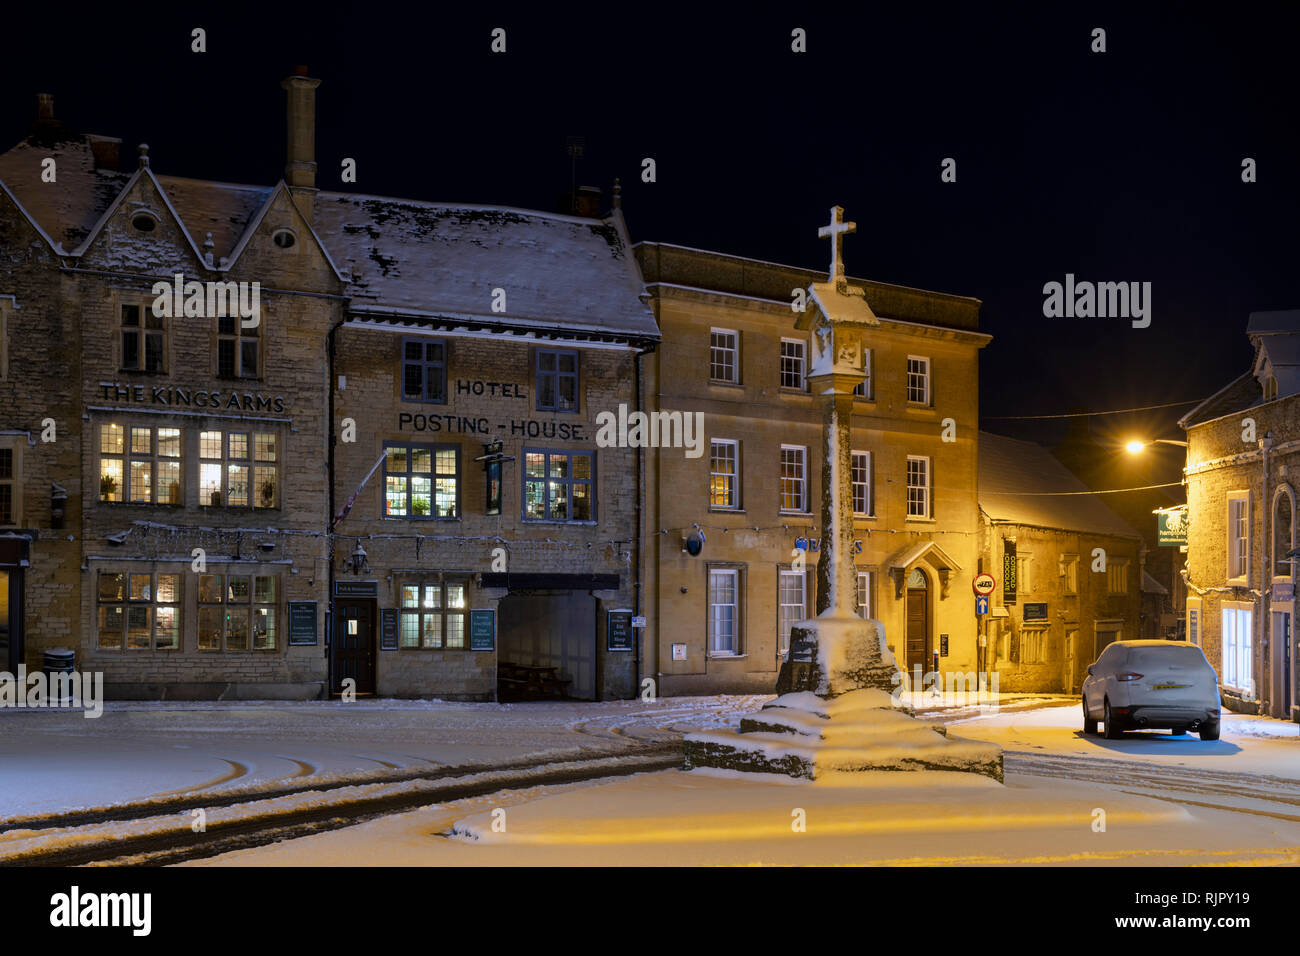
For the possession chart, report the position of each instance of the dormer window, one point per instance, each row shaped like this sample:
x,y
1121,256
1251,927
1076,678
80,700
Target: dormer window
x,y
144,222
284,238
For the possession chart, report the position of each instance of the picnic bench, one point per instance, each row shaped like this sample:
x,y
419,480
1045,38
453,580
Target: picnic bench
x,y
530,681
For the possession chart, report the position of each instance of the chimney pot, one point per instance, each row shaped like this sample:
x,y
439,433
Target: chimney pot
x,y
45,106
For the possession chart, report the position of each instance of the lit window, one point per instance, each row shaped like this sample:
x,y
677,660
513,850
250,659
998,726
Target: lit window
x,y
559,485
140,464
238,469
864,594
724,473
422,481
432,615
1238,661
863,389
139,611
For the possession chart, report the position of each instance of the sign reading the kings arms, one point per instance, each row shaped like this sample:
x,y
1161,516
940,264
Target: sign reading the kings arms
x,y
174,396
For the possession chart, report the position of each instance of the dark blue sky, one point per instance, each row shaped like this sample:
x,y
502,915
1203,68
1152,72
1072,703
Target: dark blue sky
x,y
1122,166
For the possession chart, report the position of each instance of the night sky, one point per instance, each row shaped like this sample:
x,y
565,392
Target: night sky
x,y
1122,166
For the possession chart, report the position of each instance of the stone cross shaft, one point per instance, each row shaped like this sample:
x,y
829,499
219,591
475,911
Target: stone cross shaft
x,y
837,574
836,230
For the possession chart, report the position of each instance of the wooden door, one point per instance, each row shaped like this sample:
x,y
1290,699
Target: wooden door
x,y
918,629
354,645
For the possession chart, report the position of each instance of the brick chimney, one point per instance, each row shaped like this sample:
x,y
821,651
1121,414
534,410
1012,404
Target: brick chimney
x,y
300,169
107,151
587,202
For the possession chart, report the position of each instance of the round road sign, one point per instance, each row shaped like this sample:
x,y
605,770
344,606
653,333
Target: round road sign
x,y
984,584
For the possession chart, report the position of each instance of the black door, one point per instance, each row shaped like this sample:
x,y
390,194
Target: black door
x,y
11,618
354,645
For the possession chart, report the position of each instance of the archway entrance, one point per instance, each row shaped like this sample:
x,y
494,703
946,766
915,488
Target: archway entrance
x,y
918,621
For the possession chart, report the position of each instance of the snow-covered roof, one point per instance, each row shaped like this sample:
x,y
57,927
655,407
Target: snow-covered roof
x,y
421,257
68,208
1022,483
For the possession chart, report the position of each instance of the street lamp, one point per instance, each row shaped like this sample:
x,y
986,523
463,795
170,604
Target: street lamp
x,y
1135,446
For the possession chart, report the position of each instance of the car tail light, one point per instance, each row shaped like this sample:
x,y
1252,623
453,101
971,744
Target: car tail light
x,y
1128,675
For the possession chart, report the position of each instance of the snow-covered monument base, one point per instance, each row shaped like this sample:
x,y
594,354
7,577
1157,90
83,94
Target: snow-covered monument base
x,y
837,715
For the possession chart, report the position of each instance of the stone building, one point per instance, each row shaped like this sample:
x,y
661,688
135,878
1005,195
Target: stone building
x,y
1068,569
719,620
207,500
1243,442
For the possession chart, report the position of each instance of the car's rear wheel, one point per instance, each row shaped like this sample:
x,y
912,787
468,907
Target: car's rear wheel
x,y
1113,729
1089,725
1210,730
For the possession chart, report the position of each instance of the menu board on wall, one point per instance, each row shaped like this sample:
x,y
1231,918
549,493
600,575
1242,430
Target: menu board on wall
x,y
302,622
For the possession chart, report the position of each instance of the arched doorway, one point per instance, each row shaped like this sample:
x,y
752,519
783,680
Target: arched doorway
x,y
918,621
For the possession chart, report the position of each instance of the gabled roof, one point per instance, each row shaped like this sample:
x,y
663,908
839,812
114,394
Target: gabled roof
x,y
908,556
1022,483
1241,393
227,210
68,208
421,258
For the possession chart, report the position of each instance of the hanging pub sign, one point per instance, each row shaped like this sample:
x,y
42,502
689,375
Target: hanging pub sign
x,y
618,631
482,629
1171,527
302,623
388,629
1008,572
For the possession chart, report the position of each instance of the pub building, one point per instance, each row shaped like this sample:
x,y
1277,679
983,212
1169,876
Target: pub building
x,y
384,479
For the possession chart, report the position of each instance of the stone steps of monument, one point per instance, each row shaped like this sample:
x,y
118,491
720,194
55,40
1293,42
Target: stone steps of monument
x,y
865,723
917,749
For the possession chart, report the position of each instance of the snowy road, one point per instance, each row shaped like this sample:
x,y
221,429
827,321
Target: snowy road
x,y
288,771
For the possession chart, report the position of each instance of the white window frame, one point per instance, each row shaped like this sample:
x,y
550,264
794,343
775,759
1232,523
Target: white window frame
x,y
863,389
714,619
928,506
924,378
864,484
803,365
1238,535
801,480
733,348
734,445
786,620
1236,636
862,597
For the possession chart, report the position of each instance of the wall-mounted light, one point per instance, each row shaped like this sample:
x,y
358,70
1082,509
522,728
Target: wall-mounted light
x,y
358,560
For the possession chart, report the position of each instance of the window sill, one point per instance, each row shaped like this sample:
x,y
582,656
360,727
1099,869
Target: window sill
x,y
558,411
722,384
787,390
796,514
424,401
558,521
419,518
726,511
919,520
715,656
140,371
920,406
140,504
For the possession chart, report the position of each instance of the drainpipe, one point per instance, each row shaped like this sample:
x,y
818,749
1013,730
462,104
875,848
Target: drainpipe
x,y
1266,572
636,531
329,518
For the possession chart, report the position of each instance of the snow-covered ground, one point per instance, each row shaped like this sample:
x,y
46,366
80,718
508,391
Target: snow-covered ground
x,y
54,761
1150,799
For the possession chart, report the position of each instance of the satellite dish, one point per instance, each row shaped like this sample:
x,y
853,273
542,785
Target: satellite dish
x,y
694,543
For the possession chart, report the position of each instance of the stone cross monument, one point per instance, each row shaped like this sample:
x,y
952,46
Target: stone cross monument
x,y
838,711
